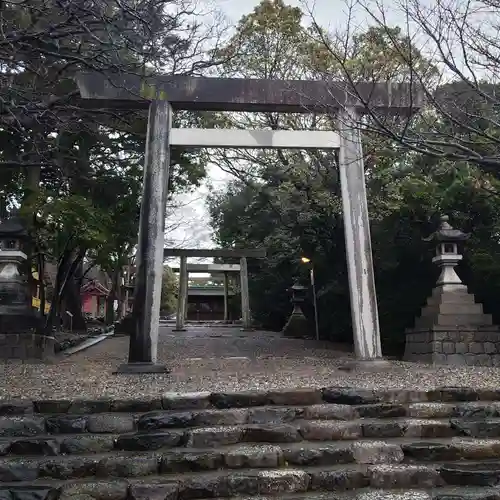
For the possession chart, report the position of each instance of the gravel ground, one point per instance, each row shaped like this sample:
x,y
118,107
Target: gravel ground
x,y
200,360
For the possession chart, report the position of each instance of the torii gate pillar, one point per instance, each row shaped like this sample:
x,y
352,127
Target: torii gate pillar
x,y
147,294
245,295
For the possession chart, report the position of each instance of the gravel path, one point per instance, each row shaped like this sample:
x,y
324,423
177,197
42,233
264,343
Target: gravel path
x,y
224,359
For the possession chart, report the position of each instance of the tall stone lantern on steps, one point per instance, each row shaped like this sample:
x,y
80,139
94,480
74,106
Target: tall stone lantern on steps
x,y
19,335
452,327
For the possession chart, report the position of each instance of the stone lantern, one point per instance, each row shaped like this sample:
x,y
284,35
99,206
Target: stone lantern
x,y
297,325
18,322
447,256
298,295
15,303
452,327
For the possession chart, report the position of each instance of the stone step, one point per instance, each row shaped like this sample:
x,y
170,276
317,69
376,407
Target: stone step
x,y
457,300
475,419
445,493
204,400
134,464
276,483
120,491
209,437
466,320
120,423
457,293
452,308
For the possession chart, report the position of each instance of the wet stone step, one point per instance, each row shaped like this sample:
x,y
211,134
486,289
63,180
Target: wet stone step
x,y
226,435
395,431
22,426
350,481
396,461
483,428
119,423
286,397
452,449
291,485
312,480
412,494
476,474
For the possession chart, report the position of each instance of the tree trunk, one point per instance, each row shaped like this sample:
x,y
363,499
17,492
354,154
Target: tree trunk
x,y
110,313
54,317
68,263
73,302
41,282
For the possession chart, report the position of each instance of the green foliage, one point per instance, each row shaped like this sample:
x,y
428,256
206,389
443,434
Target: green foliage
x,y
169,290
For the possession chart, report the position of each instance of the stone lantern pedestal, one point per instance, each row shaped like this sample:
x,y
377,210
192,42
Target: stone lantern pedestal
x,y
452,328
297,325
19,324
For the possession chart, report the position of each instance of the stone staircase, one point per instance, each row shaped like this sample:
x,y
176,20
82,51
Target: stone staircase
x,y
335,443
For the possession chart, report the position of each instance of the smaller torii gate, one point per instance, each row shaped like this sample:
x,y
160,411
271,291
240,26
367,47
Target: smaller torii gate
x,y
217,269
242,253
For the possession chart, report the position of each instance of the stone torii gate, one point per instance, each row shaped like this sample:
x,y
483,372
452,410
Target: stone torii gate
x,y
217,270
163,94
184,269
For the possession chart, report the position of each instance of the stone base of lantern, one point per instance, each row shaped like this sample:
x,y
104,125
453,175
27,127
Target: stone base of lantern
x,y
26,347
449,345
453,330
297,326
18,320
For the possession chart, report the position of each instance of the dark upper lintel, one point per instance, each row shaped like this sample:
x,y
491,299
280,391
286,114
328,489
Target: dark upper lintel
x,y
239,94
256,253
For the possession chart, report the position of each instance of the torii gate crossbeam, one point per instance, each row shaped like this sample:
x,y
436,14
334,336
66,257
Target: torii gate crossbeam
x,y
163,94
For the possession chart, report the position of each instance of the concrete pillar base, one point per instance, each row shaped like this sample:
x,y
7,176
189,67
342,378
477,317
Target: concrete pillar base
x,y
138,368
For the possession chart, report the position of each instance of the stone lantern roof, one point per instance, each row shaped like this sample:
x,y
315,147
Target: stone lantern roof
x,y
13,227
447,233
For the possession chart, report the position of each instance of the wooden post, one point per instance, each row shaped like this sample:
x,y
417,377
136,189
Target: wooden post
x,y
146,312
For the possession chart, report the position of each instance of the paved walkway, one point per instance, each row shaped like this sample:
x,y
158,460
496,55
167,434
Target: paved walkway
x,y
222,359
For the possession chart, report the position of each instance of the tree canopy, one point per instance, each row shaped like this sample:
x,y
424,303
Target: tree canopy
x,y
76,174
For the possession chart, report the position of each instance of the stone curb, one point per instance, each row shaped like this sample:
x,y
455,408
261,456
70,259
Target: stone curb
x,y
246,399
